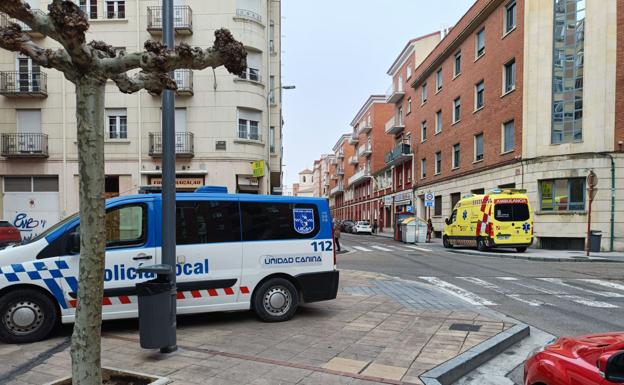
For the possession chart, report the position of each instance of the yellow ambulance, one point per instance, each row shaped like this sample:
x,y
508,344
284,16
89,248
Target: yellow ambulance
x,y
502,218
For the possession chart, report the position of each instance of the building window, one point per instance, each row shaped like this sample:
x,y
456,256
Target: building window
x,y
478,147
510,16
509,136
89,7
438,162
272,36
115,9
423,93
117,120
562,194
480,43
568,67
254,63
423,131
479,95
272,139
457,67
456,110
409,105
409,71
272,90
438,122
439,80
249,124
509,75
423,168
437,210
456,155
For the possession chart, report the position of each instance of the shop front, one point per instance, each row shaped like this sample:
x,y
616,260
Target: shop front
x,y
185,183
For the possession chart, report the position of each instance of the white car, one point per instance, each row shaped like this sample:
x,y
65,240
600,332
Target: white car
x,y
362,227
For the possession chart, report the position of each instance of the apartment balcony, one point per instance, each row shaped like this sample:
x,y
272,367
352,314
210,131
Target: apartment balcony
x,y
340,171
360,176
399,154
334,176
25,145
246,14
354,160
367,150
24,84
395,93
365,128
184,144
340,155
353,139
395,125
5,21
337,190
182,20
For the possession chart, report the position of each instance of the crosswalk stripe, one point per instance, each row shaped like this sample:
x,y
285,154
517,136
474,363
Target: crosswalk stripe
x,y
574,298
381,248
507,278
559,281
456,291
610,285
361,248
497,289
418,248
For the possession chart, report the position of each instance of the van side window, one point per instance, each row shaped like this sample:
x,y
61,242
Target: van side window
x,y
126,226
264,221
207,222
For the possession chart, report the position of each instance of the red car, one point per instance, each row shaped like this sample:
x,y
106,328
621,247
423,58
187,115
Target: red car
x,y
587,360
9,234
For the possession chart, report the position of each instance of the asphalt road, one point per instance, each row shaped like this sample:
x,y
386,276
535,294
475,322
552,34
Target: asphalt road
x,y
562,298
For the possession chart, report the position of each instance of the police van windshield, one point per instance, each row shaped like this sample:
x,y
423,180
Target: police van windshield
x,y
511,212
52,229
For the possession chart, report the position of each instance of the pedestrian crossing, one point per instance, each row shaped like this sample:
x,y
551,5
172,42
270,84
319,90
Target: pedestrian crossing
x,y
377,247
533,292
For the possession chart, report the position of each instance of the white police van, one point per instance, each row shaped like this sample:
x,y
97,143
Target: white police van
x,y
234,252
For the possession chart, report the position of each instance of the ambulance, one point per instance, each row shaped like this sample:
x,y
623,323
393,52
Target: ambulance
x,y
501,218
234,252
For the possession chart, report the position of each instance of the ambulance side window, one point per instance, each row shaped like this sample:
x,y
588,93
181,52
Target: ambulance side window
x,y
454,216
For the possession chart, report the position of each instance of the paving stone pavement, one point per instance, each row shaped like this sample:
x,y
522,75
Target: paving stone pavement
x,y
379,330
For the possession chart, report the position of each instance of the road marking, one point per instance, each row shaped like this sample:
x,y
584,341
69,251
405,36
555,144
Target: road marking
x,y
610,285
507,278
361,248
456,291
381,248
497,289
559,281
574,298
418,248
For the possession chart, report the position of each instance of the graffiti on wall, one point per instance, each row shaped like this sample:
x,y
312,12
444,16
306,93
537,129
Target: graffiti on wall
x,y
31,213
28,226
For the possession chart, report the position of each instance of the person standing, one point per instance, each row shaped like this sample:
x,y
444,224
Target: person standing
x,y
429,230
375,226
337,236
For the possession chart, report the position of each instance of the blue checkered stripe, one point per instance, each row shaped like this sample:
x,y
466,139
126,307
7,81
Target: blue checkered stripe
x,y
48,272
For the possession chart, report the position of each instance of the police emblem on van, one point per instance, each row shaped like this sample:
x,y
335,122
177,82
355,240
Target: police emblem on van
x,y
303,220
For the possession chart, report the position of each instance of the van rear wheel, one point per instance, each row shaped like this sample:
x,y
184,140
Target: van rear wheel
x,y
276,300
446,243
26,316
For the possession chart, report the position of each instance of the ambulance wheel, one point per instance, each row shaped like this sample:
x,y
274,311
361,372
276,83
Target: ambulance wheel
x,y
521,249
276,300
26,316
481,245
447,244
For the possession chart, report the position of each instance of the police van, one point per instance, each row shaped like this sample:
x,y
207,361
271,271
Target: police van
x,y
501,218
234,252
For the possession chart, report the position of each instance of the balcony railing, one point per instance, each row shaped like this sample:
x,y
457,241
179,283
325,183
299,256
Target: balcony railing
x,y
249,15
340,155
184,144
395,125
337,190
184,81
182,20
353,139
26,145
354,159
399,154
395,93
359,176
339,171
24,84
365,127
367,150
5,21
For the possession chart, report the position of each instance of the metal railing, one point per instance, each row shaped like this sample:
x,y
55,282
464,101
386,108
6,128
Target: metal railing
x,y
246,134
249,15
23,83
184,144
338,189
184,81
354,159
24,145
182,18
400,151
252,74
360,175
339,171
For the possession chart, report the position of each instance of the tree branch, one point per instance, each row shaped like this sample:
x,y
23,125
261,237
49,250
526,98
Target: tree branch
x,y
13,39
152,82
39,22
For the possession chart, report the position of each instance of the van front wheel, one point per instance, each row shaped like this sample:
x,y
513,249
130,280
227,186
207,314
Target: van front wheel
x,y
276,300
481,245
26,316
447,244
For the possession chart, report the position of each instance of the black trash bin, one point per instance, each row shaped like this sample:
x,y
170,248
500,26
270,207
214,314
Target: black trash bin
x,y
595,238
157,326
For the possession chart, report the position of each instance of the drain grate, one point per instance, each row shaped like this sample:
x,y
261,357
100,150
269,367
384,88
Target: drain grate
x,y
465,327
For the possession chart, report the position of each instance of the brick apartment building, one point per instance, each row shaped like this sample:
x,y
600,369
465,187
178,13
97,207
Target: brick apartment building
x,y
518,94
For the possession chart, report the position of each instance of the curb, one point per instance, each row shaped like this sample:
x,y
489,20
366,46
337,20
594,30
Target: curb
x,y
537,259
455,368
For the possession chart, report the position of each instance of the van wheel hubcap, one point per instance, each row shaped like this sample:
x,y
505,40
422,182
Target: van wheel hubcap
x,y
23,317
277,301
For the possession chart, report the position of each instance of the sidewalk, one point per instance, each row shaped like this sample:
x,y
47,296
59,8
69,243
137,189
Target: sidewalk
x,y
379,330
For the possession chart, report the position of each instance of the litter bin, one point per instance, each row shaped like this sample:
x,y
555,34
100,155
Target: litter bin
x,y
408,230
595,238
157,321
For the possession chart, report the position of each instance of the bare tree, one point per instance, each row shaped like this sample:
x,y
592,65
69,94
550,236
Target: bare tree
x,y
88,66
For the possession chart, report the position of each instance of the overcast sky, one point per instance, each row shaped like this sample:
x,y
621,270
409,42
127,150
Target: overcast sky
x,y
337,53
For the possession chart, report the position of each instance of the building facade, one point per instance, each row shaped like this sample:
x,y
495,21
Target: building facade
x,y
305,186
518,94
228,128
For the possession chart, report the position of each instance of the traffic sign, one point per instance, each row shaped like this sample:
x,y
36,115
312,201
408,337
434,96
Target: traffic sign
x,y
429,200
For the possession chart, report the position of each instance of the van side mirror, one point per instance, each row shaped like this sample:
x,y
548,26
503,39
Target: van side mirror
x,y
611,365
74,243
447,221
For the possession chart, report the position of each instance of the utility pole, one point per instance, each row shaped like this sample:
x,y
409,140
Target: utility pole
x,y
591,182
168,166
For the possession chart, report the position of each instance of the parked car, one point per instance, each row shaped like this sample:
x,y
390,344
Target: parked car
x,y
587,360
362,227
9,234
345,226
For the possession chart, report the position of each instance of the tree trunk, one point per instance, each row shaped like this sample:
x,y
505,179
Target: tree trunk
x,y
86,340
